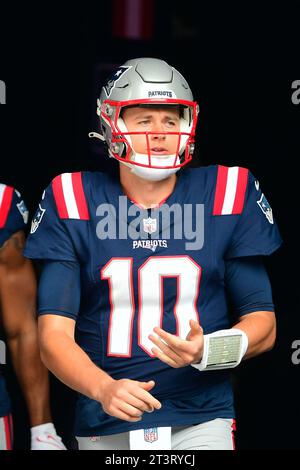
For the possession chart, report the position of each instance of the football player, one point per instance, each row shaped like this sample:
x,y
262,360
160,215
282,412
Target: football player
x,y
139,269
18,315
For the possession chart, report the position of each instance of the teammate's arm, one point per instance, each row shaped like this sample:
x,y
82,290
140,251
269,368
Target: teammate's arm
x,y
18,306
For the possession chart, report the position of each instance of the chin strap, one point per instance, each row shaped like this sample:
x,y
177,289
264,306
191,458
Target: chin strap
x,y
96,135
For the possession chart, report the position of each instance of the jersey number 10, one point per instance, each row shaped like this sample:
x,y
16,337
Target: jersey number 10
x,y
119,274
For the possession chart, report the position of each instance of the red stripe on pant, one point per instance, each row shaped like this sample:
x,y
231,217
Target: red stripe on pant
x,y
233,429
6,433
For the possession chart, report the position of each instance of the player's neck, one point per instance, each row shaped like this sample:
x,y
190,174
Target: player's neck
x,y
143,192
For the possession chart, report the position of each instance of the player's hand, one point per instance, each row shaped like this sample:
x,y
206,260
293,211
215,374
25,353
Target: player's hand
x,y
177,352
128,399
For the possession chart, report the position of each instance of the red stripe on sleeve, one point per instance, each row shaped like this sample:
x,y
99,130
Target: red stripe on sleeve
x,y
220,189
59,197
80,196
5,205
240,191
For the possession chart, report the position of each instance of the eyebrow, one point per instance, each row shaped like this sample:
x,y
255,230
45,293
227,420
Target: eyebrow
x,y
147,116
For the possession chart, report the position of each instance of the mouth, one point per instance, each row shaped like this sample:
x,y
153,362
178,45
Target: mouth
x,y
159,151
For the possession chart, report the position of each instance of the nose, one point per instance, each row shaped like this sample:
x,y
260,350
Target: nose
x,y
158,127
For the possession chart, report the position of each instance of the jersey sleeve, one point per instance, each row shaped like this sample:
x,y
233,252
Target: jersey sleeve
x,y
248,285
56,297
256,232
49,237
13,212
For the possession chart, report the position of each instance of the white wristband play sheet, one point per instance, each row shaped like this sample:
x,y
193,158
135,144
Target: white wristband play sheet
x,y
223,349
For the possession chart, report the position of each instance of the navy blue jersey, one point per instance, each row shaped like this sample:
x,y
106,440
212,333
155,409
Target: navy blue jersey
x,y
13,217
156,267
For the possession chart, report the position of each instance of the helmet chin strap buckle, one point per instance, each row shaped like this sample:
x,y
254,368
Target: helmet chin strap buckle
x,y
97,136
191,149
115,147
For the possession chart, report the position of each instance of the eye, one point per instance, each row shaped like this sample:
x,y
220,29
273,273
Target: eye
x,y
171,123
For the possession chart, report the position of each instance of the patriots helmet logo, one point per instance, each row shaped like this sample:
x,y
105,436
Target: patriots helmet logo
x,y
37,219
111,82
266,208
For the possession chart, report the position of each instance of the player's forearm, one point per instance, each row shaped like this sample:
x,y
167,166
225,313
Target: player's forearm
x,y
70,364
18,301
260,327
32,375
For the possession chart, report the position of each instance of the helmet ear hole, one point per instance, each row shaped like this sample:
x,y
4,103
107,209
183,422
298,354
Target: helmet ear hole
x,y
186,128
124,152
122,126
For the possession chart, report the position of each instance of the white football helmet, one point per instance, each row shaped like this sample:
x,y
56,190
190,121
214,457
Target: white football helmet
x,y
146,82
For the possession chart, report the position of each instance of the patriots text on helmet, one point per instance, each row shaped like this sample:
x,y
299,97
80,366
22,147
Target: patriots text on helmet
x,y
152,94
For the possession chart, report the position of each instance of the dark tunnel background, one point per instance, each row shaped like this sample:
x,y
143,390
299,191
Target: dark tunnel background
x,y
241,63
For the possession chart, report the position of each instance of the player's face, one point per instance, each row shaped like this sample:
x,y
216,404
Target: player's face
x,y
158,120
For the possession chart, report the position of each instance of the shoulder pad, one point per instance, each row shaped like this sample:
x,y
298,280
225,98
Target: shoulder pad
x,y
6,194
230,190
69,196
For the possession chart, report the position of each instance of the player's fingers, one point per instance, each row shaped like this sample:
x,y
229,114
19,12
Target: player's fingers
x,y
166,359
196,329
195,326
146,385
118,413
139,404
147,398
172,340
176,355
167,350
129,410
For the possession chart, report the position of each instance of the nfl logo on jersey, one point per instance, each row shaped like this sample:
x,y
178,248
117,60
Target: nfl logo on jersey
x,y
151,435
150,225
